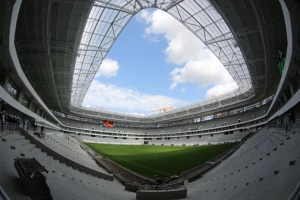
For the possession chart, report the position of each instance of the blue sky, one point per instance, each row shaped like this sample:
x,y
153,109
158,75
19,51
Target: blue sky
x,y
156,62
143,65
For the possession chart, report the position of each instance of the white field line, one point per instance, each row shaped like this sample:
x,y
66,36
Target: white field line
x,y
143,166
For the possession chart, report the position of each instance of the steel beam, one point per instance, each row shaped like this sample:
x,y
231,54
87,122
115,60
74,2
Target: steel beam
x,y
174,3
112,6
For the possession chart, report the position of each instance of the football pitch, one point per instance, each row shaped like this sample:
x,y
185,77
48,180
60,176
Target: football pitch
x,y
159,161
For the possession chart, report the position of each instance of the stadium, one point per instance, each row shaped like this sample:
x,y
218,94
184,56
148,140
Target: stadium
x,y
243,144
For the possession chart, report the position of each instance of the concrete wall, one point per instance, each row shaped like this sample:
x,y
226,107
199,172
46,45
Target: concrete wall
x,y
162,194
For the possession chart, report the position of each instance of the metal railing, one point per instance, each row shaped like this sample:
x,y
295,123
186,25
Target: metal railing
x,y
3,195
296,193
8,127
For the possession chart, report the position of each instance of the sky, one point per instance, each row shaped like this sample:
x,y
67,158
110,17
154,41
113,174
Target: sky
x,y
156,63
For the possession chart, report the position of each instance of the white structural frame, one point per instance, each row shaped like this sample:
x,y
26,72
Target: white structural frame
x,y
108,18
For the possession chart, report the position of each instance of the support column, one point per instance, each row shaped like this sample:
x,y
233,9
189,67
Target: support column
x,y
279,103
291,89
298,80
30,103
4,79
284,97
20,94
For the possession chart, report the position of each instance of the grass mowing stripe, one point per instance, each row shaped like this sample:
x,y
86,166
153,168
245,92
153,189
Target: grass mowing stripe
x,y
160,159
144,166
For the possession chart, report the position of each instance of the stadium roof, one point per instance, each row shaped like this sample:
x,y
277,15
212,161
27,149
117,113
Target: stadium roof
x,y
61,44
108,18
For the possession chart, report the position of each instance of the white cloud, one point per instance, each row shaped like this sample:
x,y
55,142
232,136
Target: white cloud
x,y
143,16
123,99
195,62
201,72
108,68
221,89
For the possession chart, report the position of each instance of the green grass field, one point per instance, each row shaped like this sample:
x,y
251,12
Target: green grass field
x,y
159,161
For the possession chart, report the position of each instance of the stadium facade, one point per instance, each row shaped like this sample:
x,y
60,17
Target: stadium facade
x,y
51,51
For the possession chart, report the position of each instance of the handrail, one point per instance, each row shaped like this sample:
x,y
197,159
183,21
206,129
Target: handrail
x,y
8,127
3,194
296,193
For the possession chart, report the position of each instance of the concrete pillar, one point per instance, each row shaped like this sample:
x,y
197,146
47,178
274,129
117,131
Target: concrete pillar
x,y
4,78
31,105
298,80
38,110
284,97
291,89
20,94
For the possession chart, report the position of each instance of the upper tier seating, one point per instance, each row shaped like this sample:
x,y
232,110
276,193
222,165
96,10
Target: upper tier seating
x,y
218,122
177,141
